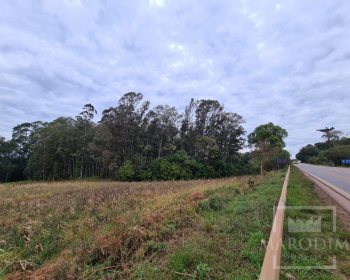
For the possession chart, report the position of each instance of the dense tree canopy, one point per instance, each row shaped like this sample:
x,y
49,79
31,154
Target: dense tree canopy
x,y
132,142
307,152
268,140
336,154
331,152
268,134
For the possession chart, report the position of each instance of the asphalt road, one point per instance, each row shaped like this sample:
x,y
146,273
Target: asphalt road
x,y
337,176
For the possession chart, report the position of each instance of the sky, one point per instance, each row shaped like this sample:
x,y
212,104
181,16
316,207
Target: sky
x,y
287,61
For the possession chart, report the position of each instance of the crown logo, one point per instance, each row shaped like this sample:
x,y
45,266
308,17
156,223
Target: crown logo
x,y
311,225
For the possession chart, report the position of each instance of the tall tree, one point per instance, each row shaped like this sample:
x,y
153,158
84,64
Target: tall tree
x,y
187,129
85,128
9,168
268,140
125,123
162,130
331,134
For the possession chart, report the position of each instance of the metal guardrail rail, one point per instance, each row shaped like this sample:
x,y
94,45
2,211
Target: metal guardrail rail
x,y
271,265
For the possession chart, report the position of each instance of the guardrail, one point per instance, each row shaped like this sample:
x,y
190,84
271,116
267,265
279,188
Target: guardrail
x,y
340,196
271,265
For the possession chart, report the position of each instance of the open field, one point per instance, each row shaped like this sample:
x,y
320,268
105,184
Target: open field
x,y
116,230
203,229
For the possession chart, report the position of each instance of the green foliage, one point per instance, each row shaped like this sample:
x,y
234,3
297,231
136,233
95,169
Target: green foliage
x,y
268,141
168,170
131,142
321,159
330,152
182,166
270,134
207,149
204,204
154,247
322,146
307,152
126,172
187,260
203,269
216,202
338,153
9,166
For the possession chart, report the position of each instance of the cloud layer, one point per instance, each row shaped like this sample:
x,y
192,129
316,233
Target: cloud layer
x,y
287,62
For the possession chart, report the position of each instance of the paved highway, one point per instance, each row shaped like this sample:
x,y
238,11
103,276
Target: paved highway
x,y
337,176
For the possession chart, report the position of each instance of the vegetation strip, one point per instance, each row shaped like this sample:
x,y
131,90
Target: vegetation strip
x,y
226,241
271,266
306,250
334,151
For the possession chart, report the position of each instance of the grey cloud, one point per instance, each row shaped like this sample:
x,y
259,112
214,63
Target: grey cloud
x,y
286,62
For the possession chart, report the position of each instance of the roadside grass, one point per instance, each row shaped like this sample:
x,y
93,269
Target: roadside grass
x,y
226,242
313,248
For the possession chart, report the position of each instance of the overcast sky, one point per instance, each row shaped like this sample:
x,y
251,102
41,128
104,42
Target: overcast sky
x,y
282,61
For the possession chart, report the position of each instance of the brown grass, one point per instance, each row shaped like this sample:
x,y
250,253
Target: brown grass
x,y
72,230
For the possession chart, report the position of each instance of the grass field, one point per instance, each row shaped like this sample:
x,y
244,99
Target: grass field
x,y
314,248
204,229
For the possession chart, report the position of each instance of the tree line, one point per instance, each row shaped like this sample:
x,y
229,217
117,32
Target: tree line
x,y
332,151
135,142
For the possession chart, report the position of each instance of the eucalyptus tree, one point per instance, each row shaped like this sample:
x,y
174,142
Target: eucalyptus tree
x,y
9,168
157,144
208,115
208,118
162,130
187,129
125,122
54,151
85,130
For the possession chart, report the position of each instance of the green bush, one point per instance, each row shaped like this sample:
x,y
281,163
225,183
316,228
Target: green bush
x,y
338,153
216,202
181,166
307,152
321,159
126,172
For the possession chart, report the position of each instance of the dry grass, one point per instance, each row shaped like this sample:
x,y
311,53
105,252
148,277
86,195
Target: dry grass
x,y
203,229
73,230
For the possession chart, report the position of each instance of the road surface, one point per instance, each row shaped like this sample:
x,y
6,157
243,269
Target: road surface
x,y
337,176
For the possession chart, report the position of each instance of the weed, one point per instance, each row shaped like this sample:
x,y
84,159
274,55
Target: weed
x,y
186,260
215,202
154,247
203,269
203,205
